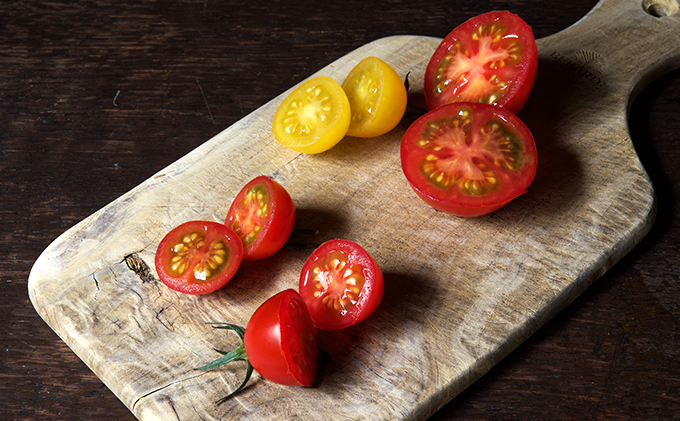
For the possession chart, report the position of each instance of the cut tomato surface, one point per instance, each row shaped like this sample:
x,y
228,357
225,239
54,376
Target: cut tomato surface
x,y
341,284
314,117
198,257
377,98
263,216
491,58
468,159
281,342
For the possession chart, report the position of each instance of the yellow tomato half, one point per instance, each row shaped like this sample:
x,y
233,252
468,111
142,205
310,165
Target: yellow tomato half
x,y
314,117
377,97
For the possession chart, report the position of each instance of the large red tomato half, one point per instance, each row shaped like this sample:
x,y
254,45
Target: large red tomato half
x,y
198,257
281,342
491,58
341,284
263,216
468,159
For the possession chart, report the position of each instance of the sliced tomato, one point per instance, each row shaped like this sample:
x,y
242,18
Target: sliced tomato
x,y
491,58
341,284
263,216
198,257
377,98
468,159
314,117
280,340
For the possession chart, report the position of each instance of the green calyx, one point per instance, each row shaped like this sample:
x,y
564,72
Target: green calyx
x,y
238,354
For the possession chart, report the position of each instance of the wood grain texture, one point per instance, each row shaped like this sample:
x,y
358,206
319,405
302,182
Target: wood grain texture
x,y
610,354
591,202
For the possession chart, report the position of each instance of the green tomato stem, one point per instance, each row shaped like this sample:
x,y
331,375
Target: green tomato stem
x,y
238,354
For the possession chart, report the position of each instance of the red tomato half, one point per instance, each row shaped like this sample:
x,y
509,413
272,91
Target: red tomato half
x,y
198,257
280,340
468,159
341,284
491,58
263,216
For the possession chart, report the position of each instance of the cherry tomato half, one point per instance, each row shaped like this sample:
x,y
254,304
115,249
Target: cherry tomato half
x,y
491,58
280,340
263,216
377,98
314,117
198,257
468,159
341,284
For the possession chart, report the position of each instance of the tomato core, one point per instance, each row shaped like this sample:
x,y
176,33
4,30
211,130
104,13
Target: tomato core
x,y
337,282
492,50
460,158
247,223
207,259
198,257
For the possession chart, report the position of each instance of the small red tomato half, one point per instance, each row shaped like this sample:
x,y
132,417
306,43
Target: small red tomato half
x,y
263,216
468,159
491,58
341,284
198,257
280,340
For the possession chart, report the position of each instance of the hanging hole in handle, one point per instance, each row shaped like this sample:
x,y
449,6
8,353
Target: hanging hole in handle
x,y
660,8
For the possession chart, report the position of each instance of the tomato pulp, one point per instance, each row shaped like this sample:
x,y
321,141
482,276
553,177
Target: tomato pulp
x,y
280,340
314,117
377,98
263,216
491,58
341,284
198,257
468,159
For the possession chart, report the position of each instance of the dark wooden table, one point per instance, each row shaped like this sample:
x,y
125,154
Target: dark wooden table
x,y
96,96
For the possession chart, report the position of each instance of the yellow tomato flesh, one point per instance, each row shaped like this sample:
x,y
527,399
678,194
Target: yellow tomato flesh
x,y
314,117
377,98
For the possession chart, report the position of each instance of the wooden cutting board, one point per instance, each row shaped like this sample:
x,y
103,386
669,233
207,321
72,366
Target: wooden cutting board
x,y
460,293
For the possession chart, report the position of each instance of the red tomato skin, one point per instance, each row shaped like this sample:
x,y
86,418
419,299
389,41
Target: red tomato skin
x,y
468,206
369,299
267,347
518,94
187,283
458,210
279,224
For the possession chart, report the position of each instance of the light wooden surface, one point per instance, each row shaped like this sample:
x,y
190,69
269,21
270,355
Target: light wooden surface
x,y
460,293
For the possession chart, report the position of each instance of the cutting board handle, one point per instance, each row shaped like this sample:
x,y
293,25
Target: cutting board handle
x,y
620,44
